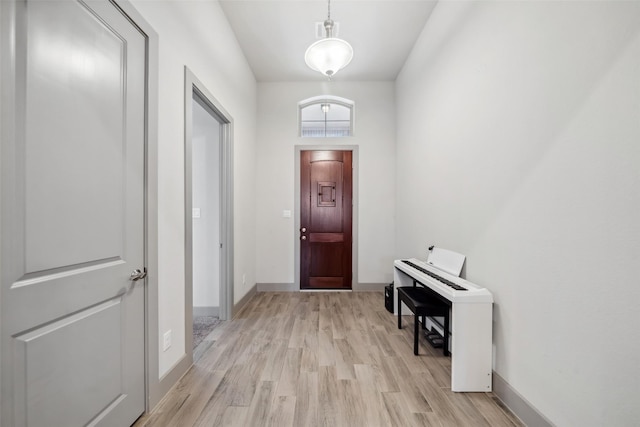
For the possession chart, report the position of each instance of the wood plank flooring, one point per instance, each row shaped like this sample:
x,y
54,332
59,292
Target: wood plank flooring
x,y
321,359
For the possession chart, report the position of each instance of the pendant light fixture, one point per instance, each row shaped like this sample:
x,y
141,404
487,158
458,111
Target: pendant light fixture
x,y
331,54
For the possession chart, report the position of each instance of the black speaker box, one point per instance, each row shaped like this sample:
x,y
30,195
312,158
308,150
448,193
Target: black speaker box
x,y
388,297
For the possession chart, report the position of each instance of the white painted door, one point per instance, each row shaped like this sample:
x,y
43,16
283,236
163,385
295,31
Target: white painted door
x,y
72,215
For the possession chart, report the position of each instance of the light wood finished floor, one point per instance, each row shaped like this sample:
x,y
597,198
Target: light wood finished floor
x,y
321,359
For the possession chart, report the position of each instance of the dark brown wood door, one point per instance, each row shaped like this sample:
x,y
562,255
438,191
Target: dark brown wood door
x,y
325,219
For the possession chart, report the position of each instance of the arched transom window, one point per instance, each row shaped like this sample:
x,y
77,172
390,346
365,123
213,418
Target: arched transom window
x,y
325,117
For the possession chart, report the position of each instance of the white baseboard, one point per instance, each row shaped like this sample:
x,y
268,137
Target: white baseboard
x,y
206,311
243,301
277,287
517,404
168,380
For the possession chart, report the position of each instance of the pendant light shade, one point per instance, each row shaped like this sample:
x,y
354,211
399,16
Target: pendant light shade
x,y
331,54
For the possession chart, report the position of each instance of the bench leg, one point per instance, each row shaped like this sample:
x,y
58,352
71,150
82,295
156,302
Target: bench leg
x,y
399,313
416,334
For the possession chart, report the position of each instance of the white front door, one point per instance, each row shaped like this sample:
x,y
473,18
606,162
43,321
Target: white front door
x,y
72,215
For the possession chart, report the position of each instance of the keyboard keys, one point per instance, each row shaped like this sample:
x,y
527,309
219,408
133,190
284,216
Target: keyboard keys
x,y
435,276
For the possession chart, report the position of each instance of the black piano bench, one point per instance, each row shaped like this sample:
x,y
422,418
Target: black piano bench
x,y
422,304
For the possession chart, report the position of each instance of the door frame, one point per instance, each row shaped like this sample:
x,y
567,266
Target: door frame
x,y
10,76
156,387
193,85
354,214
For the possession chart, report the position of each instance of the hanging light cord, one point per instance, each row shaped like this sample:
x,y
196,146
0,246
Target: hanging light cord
x,y
328,24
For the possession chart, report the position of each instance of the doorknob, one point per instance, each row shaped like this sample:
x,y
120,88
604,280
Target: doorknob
x,y
303,237
138,274
304,230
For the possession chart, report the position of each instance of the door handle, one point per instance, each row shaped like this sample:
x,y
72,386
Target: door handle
x,y
138,274
303,237
303,230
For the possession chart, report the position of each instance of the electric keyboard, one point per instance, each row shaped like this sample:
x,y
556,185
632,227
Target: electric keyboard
x,y
452,288
471,321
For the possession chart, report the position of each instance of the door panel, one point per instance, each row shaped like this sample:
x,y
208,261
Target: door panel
x,y
73,217
325,219
68,343
75,60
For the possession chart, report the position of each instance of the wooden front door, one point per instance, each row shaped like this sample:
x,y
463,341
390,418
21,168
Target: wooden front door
x,y
72,225
325,219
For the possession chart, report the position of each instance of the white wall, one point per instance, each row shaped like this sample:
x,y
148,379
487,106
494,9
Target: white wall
x,y
197,34
518,145
205,165
275,169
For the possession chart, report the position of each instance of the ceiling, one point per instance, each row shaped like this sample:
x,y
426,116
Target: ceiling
x,y
274,35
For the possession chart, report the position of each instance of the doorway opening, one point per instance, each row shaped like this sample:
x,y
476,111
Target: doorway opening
x,y
208,215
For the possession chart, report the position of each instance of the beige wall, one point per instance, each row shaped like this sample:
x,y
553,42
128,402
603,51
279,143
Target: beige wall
x,y
277,137
518,145
197,34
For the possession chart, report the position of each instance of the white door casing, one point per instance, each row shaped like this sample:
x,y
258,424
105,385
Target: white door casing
x,y
73,217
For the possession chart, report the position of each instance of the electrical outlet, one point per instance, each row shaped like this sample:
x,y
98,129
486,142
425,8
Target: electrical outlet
x,y
167,340
244,279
